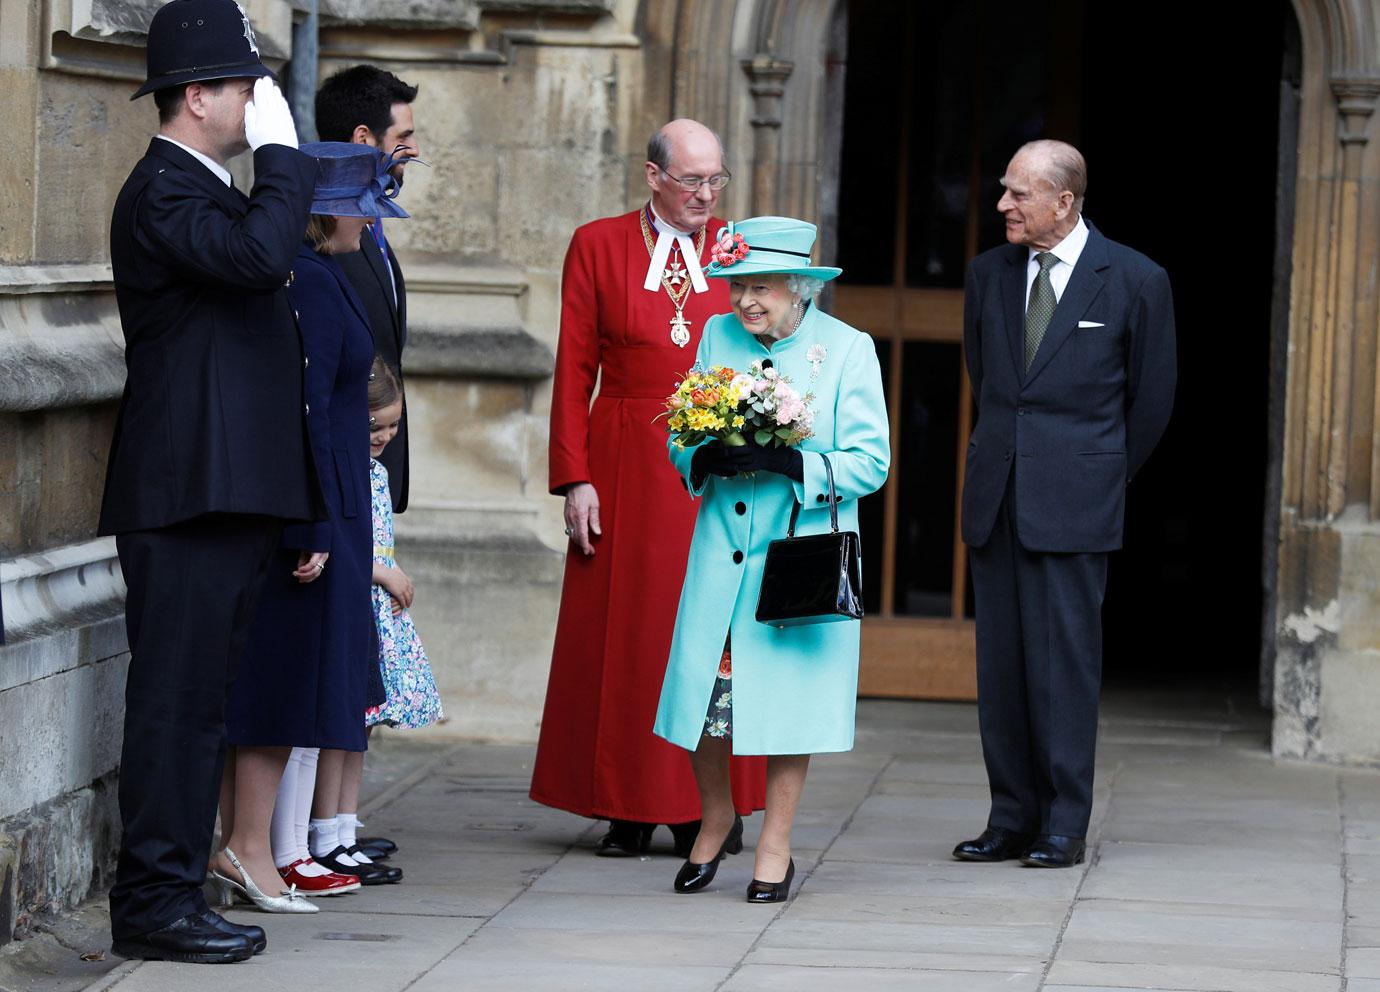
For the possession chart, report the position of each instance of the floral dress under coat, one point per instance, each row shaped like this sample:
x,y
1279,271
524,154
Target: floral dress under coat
x,y
412,697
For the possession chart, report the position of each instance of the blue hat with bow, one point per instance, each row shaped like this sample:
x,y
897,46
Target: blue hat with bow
x,y
353,180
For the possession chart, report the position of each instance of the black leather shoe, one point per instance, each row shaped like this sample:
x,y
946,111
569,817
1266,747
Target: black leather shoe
x,y
382,845
760,891
994,844
1054,851
684,835
625,839
256,935
693,877
367,874
190,940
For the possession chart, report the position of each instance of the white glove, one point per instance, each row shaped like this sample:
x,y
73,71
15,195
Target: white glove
x,y
267,119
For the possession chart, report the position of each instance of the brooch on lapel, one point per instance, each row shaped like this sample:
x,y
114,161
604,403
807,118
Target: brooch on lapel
x,y
816,356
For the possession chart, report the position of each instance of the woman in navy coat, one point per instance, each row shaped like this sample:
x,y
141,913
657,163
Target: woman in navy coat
x,y
311,660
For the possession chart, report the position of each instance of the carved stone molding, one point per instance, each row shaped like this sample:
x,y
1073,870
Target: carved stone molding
x,y
61,589
1356,103
767,77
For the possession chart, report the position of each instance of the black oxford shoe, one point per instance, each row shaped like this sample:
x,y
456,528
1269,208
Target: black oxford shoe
x,y
383,845
1054,851
256,935
190,940
625,839
994,844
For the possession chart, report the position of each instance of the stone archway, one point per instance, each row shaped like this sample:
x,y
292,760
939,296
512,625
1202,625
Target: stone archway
x,y
1327,669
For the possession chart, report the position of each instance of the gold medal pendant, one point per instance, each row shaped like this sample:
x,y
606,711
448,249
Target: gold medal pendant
x,y
675,281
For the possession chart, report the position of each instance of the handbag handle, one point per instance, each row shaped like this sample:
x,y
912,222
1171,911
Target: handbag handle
x,y
833,502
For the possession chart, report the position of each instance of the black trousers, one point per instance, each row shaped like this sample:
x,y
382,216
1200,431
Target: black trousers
x,y
1039,669
192,589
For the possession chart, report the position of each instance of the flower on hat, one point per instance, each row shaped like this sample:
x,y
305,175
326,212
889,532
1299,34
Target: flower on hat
x,y
731,248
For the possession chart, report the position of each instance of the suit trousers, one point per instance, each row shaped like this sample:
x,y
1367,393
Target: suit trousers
x,y
192,588
1039,672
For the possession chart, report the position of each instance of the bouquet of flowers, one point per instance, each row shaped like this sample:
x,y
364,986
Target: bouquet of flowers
x,y
732,406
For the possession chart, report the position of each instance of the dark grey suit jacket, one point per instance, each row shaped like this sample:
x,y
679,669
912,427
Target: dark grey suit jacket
x,y
368,274
1083,420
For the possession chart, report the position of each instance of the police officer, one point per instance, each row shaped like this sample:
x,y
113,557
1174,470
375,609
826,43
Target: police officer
x,y
208,456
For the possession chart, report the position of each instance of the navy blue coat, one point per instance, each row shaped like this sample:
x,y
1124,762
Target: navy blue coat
x,y
311,649
1083,420
211,419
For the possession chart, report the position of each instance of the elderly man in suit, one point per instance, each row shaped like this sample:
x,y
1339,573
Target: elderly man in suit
x,y
1069,340
209,453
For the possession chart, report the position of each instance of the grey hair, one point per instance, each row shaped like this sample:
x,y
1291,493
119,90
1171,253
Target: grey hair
x,y
1063,167
659,148
806,287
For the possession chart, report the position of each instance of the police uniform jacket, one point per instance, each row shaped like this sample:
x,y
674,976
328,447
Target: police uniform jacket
x,y
212,419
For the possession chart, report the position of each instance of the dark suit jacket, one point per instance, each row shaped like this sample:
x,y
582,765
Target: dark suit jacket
x,y
1082,421
211,420
368,274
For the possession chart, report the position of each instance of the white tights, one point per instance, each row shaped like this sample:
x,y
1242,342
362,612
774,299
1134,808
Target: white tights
x,y
292,812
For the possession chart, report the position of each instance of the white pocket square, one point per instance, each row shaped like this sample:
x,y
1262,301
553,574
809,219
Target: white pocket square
x,y
1090,323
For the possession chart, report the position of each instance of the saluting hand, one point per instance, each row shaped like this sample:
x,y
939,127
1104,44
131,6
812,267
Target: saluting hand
x,y
267,119
582,516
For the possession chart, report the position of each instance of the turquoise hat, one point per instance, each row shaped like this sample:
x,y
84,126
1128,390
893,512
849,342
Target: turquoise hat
x,y
762,245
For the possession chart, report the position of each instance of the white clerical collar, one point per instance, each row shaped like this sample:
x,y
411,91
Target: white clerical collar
x,y
666,236
220,171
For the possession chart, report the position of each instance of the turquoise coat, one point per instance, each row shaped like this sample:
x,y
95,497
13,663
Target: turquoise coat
x,y
795,688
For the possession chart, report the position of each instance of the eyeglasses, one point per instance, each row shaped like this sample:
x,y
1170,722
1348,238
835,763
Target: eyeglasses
x,y
692,184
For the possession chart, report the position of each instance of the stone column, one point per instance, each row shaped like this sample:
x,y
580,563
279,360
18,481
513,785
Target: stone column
x,y
767,77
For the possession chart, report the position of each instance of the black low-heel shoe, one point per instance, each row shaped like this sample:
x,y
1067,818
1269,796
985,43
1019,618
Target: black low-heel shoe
x,y
693,877
759,891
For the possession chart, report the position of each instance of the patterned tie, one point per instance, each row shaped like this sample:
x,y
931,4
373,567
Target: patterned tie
x,y
1041,307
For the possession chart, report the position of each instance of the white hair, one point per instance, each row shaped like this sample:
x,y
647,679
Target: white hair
x,y
806,287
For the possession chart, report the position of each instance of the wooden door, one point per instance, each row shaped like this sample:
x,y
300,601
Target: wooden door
x,y
935,104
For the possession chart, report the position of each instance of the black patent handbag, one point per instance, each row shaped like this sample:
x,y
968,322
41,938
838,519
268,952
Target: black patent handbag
x,y
815,578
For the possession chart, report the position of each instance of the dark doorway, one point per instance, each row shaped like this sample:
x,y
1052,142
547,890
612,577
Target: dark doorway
x,y
1177,108
1193,187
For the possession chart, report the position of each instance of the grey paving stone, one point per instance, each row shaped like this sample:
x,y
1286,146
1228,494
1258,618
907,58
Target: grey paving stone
x,y
1097,933
1363,962
1086,976
527,976
1021,940
763,978
714,910
594,946
1318,894
897,957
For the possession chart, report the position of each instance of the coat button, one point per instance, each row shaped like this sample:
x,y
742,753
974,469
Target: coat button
x,y
1020,411
296,315
820,498
740,508
766,363
307,408
737,557
306,361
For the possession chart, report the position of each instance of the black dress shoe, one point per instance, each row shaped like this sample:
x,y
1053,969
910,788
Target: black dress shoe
x,y
693,877
190,940
256,935
367,874
760,891
994,844
383,845
684,835
625,839
1054,851
369,853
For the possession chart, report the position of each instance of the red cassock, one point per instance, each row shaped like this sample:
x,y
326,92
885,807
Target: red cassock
x,y
597,755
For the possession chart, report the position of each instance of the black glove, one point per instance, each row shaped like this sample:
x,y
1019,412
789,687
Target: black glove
x,y
716,458
771,458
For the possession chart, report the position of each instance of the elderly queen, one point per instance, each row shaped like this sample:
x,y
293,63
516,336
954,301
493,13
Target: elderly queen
x,y
735,686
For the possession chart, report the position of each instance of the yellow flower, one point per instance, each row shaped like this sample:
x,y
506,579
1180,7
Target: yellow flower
x,y
738,422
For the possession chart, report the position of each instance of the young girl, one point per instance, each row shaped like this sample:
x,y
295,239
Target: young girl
x,y
412,697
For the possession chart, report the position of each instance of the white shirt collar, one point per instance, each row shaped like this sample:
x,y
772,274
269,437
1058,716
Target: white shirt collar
x,y
666,237
220,171
1071,247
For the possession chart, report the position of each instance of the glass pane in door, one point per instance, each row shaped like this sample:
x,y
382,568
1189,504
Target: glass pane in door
x,y
929,414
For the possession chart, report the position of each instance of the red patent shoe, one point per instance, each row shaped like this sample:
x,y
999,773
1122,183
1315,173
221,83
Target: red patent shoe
x,y
317,885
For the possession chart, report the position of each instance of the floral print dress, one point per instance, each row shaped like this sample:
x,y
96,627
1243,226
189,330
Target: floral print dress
x,y
411,689
718,722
